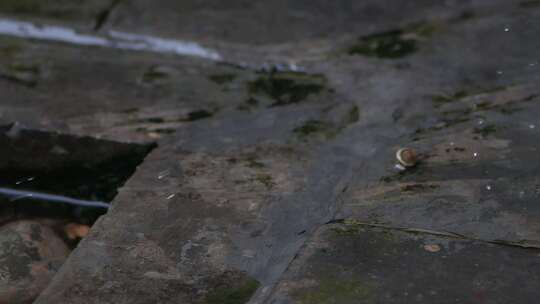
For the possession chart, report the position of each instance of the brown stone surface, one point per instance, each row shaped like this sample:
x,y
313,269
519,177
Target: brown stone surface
x,y
30,255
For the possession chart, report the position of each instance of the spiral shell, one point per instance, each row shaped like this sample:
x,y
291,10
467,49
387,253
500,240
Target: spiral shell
x,y
407,157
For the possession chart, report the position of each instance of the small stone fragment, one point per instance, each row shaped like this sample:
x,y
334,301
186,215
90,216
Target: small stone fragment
x,y
432,248
76,231
154,135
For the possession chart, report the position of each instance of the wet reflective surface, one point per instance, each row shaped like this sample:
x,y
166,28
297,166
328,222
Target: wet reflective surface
x,y
47,175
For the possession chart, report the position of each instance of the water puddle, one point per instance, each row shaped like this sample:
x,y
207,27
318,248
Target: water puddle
x,y
61,179
114,39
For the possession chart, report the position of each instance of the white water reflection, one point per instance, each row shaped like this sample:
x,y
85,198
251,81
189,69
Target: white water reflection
x,y
23,194
114,39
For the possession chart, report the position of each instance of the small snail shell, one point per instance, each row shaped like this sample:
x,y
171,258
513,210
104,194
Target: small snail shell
x,y
407,157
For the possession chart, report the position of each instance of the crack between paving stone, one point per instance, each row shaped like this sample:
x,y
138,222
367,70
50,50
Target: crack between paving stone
x,y
103,16
339,202
521,244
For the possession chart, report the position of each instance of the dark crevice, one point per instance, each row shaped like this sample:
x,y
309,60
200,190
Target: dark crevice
x,y
103,16
62,178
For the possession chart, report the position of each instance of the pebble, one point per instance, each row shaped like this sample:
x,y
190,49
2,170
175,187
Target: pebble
x,y
432,248
30,255
76,231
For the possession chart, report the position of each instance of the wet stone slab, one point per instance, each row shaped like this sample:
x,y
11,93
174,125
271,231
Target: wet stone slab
x,y
277,22
126,96
226,193
349,263
476,176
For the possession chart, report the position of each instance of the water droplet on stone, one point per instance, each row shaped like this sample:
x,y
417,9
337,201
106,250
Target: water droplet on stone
x,y
164,174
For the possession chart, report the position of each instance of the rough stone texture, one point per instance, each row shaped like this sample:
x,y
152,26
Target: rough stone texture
x,y
232,182
475,178
30,255
262,22
112,94
286,32
349,263
253,164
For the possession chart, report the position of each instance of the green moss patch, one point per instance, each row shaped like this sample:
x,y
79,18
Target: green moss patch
x,y
315,127
396,43
154,75
249,104
447,98
199,114
353,116
266,180
25,74
390,45
486,131
530,4
415,188
332,290
233,295
21,6
222,78
285,88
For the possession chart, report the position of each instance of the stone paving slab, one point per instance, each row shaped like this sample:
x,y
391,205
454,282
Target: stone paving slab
x,y
114,94
477,178
221,204
351,263
277,22
259,33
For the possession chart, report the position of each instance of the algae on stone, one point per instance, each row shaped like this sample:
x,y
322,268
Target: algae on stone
x,y
285,88
332,290
233,295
